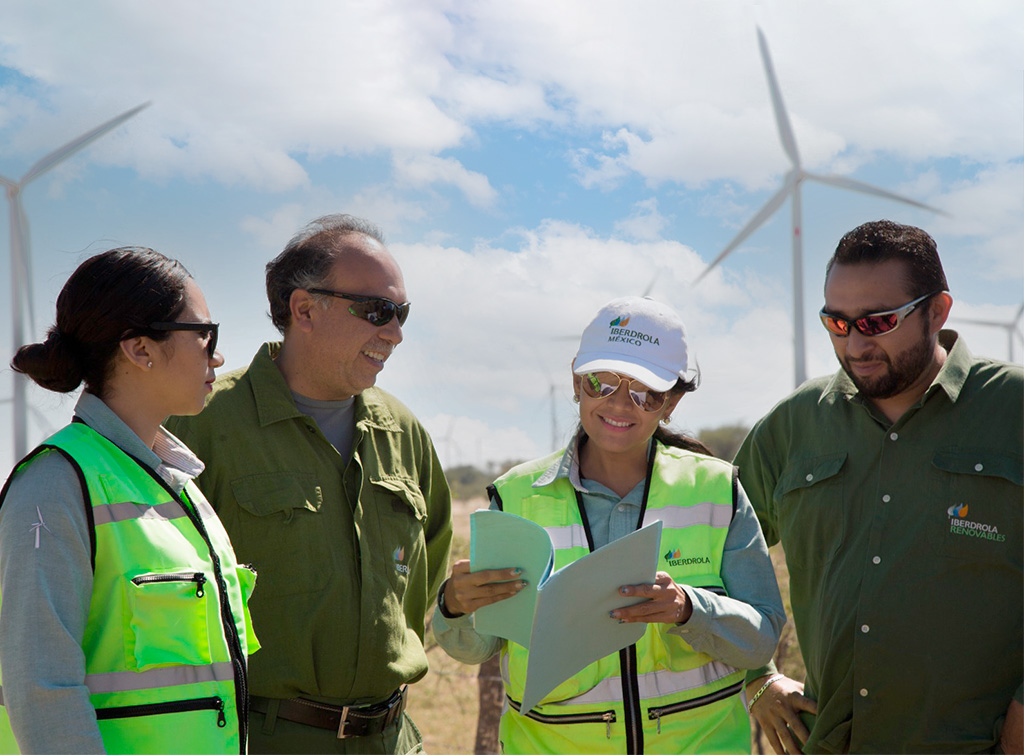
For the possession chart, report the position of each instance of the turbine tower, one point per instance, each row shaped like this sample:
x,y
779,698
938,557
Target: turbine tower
x,y
21,268
791,188
1012,328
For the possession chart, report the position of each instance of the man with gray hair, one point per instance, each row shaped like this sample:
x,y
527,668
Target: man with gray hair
x,y
332,490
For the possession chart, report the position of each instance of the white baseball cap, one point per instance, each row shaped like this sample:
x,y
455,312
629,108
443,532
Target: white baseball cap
x,y
637,337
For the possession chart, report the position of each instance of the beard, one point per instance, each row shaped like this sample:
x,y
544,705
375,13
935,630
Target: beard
x,y
903,370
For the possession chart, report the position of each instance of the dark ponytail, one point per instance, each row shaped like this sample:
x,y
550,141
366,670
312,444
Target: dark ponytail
x,y
110,297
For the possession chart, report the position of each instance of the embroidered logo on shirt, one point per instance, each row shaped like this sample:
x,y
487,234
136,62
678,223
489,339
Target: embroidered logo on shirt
x,y
675,558
399,556
37,526
959,524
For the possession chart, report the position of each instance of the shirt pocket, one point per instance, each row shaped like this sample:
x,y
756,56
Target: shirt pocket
x,y
811,511
167,614
401,514
980,516
281,532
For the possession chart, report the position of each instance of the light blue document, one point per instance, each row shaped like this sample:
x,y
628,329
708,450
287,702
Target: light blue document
x,y
562,616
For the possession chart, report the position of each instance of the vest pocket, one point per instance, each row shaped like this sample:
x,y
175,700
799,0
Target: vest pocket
x,y
167,620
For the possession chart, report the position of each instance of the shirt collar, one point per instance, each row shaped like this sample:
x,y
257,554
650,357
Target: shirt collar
x,y
274,401
566,466
951,377
169,457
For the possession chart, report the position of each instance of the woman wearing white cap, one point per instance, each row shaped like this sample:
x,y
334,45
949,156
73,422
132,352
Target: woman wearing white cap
x,y
714,608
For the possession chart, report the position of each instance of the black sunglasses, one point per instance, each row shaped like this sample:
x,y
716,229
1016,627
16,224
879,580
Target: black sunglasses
x,y
376,310
212,328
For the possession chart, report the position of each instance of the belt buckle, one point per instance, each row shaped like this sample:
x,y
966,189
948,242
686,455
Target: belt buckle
x,y
341,723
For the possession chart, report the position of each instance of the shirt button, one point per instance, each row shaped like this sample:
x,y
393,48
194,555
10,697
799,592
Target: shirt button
x,y
621,507
865,628
894,436
978,467
809,477
863,693
886,498
876,560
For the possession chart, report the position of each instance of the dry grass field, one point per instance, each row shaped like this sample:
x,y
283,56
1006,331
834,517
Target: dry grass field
x,y
445,704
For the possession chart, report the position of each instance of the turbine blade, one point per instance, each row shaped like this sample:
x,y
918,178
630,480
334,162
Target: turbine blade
x,y
849,183
47,162
8,183
781,116
752,225
1020,311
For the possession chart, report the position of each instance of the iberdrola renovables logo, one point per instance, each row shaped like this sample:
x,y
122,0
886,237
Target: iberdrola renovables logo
x,y
959,524
675,558
619,322
399,556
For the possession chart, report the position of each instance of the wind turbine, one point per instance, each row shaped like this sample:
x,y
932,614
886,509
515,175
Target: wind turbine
x,y
21,268
1012,328
791,188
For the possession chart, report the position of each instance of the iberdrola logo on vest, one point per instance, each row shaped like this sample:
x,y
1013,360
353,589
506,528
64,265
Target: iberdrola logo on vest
x,y
675,558
617,331
399,556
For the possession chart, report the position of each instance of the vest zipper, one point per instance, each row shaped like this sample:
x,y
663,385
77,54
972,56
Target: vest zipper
x,y
655,714
172,706
227,619
606,717
198,577
631,701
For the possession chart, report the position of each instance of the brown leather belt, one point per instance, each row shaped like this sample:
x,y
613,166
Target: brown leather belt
x,y
346,720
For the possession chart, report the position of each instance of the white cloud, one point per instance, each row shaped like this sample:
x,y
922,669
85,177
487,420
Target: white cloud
x,y
426,170
645,223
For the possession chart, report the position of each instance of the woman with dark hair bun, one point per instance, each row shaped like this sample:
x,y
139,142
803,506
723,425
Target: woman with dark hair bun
x,y
124,625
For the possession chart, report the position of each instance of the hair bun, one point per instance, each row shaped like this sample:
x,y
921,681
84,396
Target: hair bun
x,y
54,364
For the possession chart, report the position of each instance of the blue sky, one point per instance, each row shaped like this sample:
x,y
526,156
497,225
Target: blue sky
x,y
528,161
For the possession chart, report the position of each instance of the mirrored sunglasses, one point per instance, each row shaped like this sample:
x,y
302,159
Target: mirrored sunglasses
x,y
874,324
212,329
376,310
601,385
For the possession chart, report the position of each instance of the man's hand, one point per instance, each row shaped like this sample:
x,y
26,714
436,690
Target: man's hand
x,y
778,711
467,591
667,602
1012,739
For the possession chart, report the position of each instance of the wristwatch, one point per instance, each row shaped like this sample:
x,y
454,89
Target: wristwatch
x,y
443,608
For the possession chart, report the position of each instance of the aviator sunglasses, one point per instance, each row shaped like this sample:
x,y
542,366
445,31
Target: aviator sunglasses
x,y
874,324
376,310
601,385
210,328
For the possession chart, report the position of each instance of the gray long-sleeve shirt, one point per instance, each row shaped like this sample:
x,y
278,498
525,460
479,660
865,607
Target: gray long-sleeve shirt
x,y
46,583
741,629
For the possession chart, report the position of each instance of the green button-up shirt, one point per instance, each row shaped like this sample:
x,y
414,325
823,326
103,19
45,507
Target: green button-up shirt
x,y
349,552
904,545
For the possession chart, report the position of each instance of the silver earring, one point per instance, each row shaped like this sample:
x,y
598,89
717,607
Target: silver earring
x,y
149,365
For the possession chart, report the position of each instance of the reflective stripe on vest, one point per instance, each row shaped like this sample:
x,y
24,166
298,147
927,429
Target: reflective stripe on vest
x,y
571,536
175,676
653,684
109,513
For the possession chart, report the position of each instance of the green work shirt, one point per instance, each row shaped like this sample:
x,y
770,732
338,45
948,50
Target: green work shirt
x,y
904,545
349,552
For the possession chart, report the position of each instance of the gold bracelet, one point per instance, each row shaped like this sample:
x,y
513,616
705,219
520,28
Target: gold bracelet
x,y
771,680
